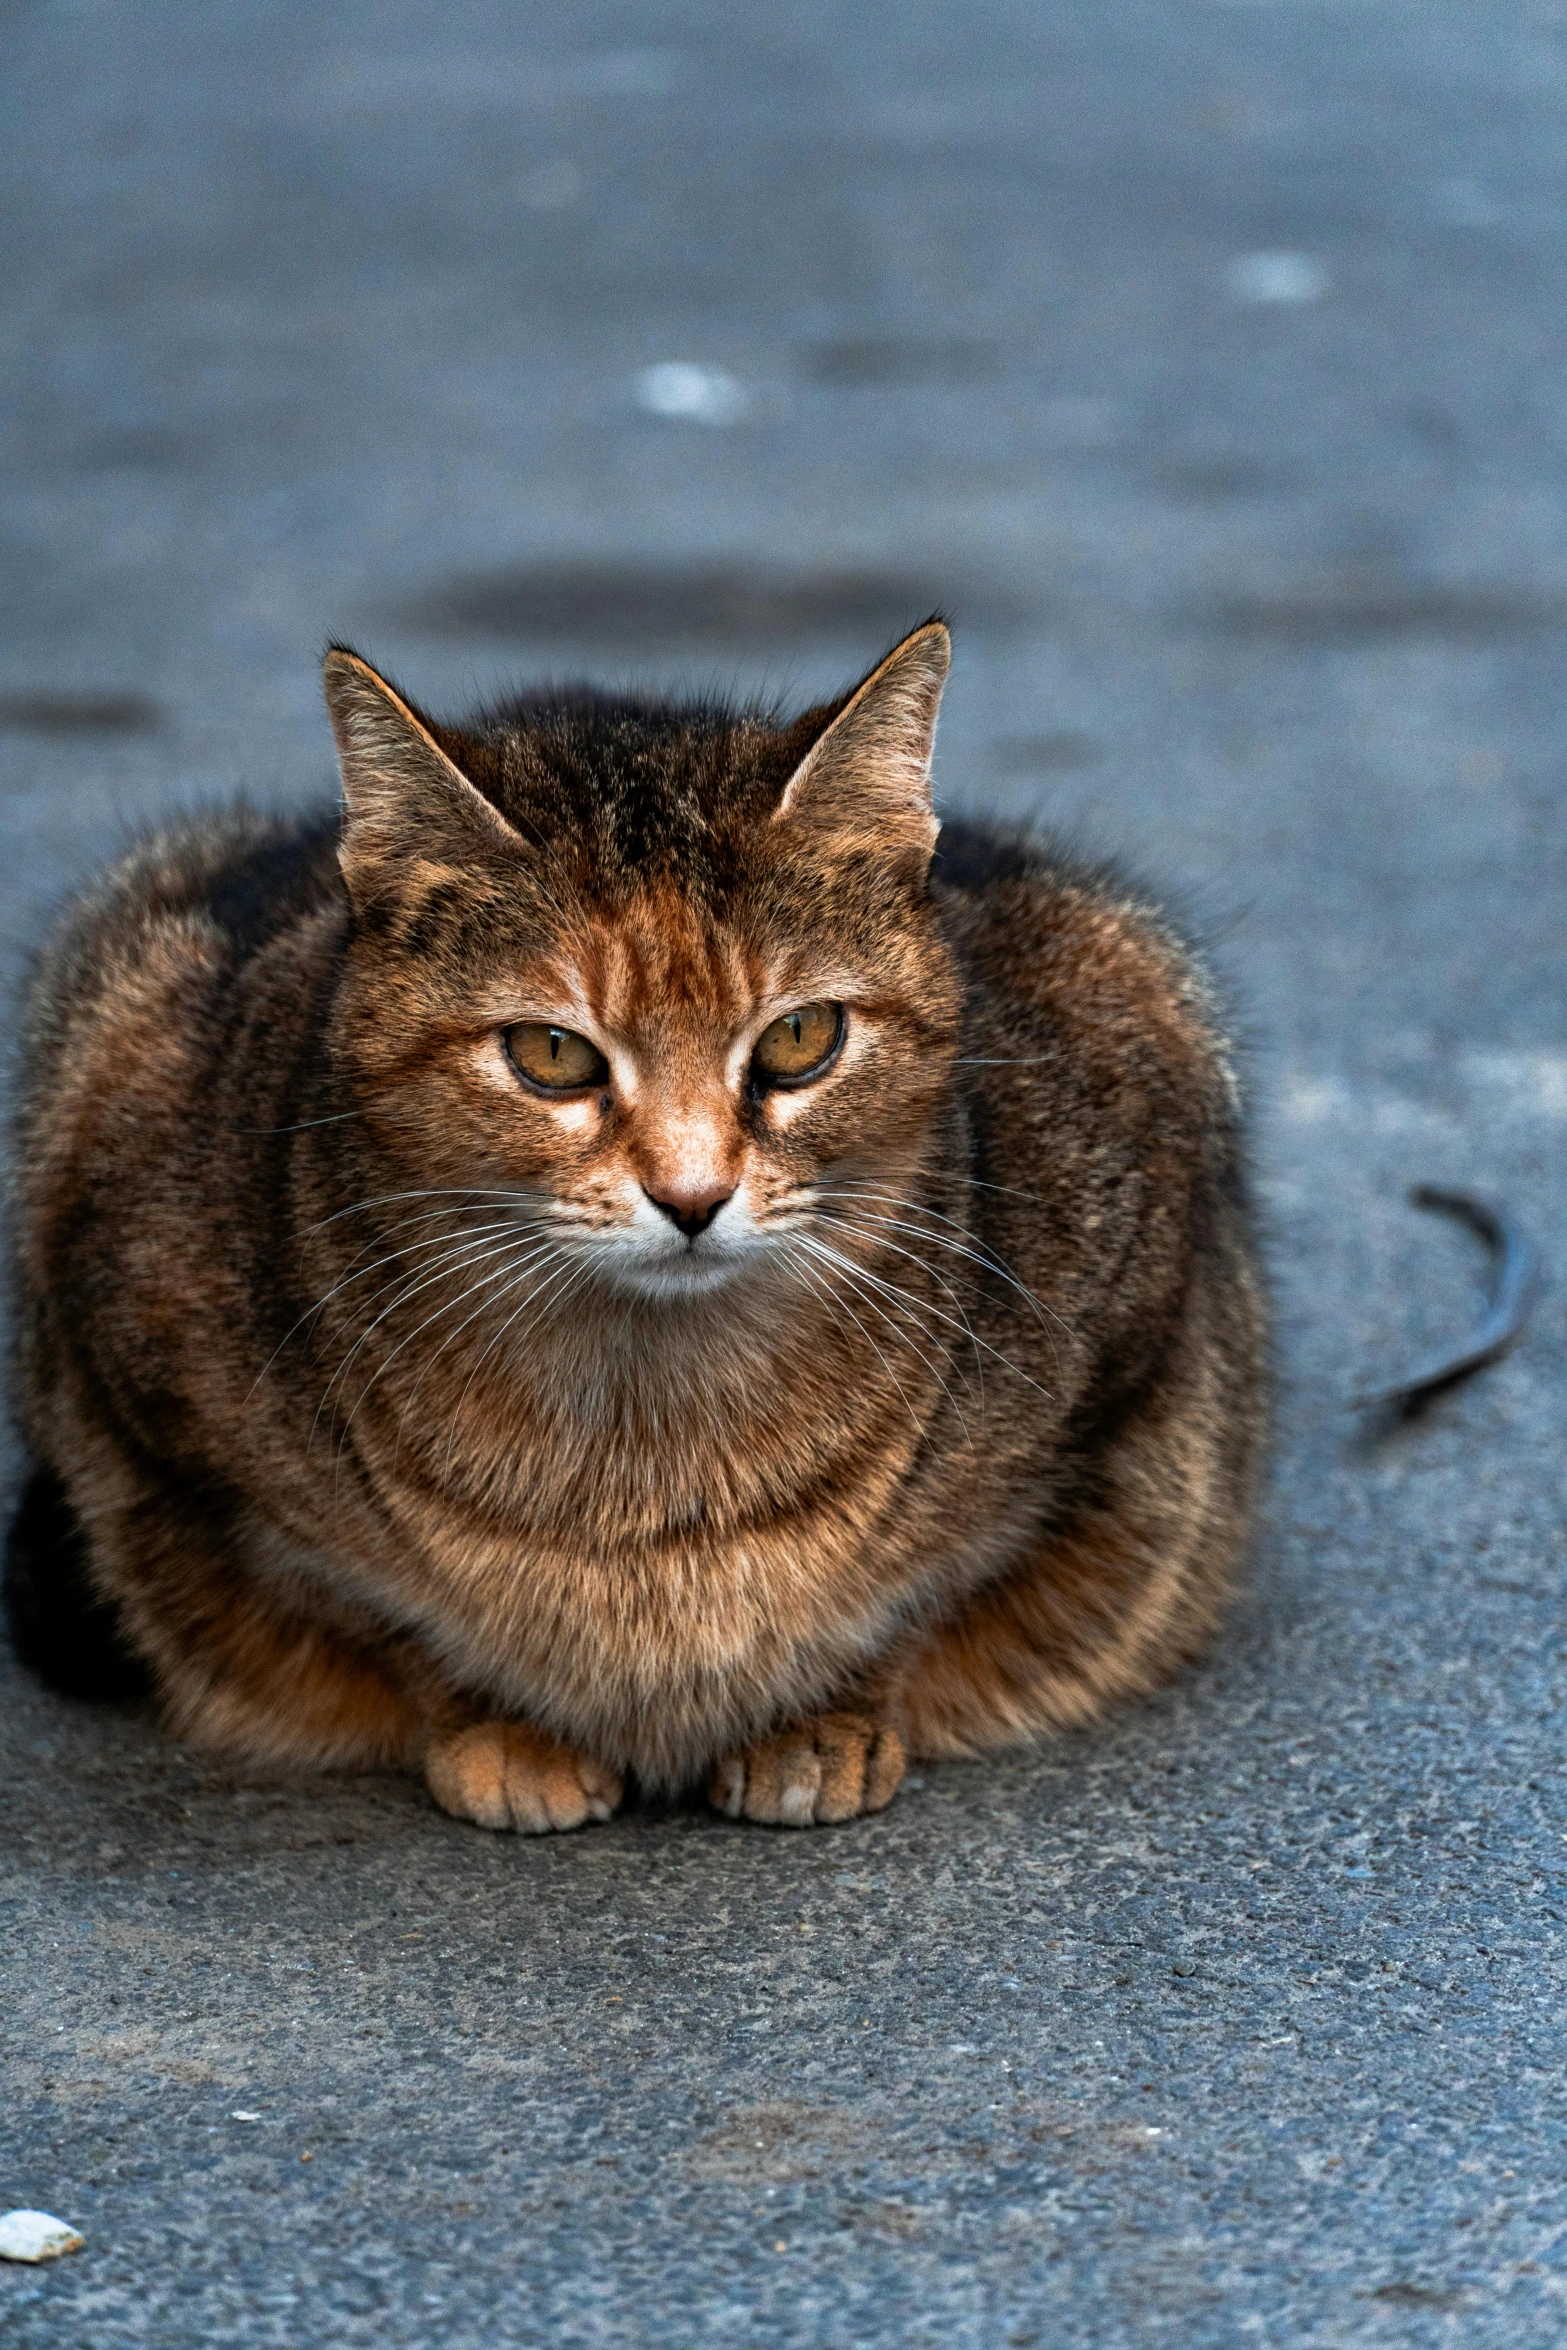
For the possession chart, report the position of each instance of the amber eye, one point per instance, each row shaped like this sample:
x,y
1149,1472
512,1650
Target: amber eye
x,y
556,1058
799,1046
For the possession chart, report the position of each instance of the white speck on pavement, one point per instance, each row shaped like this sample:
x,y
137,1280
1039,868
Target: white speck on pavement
x,y
36,2235
695,395
1276,277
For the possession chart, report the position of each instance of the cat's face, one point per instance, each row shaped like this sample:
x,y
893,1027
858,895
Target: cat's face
x,y
684,1000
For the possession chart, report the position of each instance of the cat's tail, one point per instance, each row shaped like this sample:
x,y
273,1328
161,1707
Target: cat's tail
x,y
58,1624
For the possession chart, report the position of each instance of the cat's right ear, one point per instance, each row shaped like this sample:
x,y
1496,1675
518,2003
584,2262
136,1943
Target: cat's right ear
x,y
865,783
403,798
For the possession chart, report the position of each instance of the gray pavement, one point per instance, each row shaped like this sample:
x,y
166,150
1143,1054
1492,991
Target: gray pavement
x,y
1240,2019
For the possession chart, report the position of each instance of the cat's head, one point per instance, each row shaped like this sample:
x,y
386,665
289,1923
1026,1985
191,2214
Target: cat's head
x,y
668,977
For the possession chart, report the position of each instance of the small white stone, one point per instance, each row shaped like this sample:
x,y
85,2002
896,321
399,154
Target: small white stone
x,y
698,395
34,2235
1276,277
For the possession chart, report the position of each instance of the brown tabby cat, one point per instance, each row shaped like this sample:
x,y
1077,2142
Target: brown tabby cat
x,y
611,1259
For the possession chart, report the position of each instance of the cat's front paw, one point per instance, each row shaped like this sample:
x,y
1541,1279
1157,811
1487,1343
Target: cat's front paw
x,y
505,1775
832,1768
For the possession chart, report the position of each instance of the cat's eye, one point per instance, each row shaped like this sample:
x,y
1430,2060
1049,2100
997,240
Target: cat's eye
x,y
555,1058
799,1046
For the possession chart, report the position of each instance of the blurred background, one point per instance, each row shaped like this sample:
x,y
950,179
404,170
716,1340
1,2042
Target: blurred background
x,y
1204,360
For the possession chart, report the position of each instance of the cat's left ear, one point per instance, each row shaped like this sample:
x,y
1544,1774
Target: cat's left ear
x,y
403,798
865,783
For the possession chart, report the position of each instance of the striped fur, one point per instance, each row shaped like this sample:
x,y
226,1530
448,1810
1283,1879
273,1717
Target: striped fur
x,y
398,1427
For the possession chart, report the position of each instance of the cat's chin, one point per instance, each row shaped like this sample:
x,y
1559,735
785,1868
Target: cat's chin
x,y
673,1278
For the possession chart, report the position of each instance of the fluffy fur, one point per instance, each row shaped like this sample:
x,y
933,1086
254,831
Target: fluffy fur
x,y
398,1412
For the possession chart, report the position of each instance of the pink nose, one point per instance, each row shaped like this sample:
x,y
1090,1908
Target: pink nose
x,y
691,1207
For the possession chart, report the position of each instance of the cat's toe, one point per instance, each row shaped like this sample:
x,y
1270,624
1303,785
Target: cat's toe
x,y
833,1768
861,1766
506,1775
726,1787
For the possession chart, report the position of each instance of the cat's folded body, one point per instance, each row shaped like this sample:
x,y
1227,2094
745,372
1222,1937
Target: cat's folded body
x,y
612,1259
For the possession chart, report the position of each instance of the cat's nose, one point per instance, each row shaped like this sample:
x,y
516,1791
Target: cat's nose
x,y
693,1209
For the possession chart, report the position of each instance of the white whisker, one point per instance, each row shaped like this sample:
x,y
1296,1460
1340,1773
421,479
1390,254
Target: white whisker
x,y
535,1295
465,1258
820,1284
413,1248
937,1313
987,1258
389,1199
914,1258
485,1281
985,1254
867,1285
439,1240
517,1267
481,1207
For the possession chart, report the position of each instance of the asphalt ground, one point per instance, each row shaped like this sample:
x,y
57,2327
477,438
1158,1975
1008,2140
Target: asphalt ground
x,y
1205,363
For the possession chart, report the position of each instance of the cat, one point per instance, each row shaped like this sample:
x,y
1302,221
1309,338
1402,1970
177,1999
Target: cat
x,y
626,1253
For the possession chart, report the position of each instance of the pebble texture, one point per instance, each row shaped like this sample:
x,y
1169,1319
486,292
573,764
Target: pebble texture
x,y
1204,364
